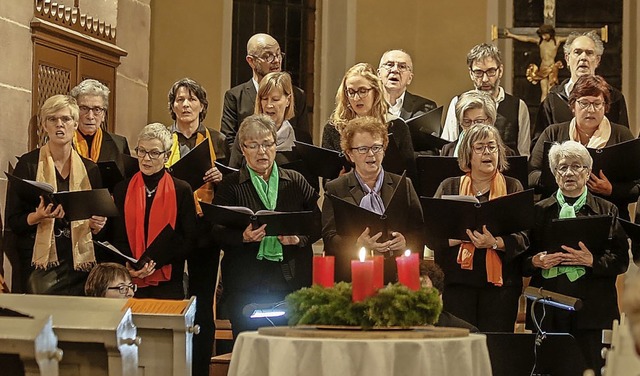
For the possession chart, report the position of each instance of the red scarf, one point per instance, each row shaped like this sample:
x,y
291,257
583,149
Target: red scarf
x,y
163,211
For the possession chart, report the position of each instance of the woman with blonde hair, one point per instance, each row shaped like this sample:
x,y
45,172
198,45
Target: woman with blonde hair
x,y
361,94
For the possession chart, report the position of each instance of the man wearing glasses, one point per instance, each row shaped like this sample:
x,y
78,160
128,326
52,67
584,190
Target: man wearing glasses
x,y
583,52
90,140
485,71
263,56
396,73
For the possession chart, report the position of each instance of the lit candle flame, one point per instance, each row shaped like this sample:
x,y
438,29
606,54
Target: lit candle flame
x,y
362,254
407,253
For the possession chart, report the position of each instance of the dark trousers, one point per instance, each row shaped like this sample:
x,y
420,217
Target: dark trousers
x,y
202,265
489,308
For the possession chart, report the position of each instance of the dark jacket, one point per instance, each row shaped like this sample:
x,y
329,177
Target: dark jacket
x,y
415,105
597,288
344,248
555,109
622,194
173,253
241,270
445,256
240,101
18,210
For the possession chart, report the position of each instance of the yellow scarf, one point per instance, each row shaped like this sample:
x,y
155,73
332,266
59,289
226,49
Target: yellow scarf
x,y
44,250
467,249
204,193
599,138
83,148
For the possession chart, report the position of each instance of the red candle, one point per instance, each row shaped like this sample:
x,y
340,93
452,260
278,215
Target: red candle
x,y
409,270
361,278
378,272
323,270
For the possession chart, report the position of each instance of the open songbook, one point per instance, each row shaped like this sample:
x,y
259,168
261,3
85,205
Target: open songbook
x,y
450,218
351,219
77,205
278,223
161,250
425,130
192,166
115,251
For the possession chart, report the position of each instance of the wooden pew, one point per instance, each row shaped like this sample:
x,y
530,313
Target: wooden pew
x,y
33,343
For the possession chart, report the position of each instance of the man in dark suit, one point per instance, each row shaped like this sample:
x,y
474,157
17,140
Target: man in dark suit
x,y
583,52
90,140
396,72
263,56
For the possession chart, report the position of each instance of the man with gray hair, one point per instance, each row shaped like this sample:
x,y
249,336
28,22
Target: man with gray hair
x,y
90,140
485,70
582,52
263,56
396,73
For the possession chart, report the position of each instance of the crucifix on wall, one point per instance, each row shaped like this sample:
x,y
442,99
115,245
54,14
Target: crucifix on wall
x,y
549,38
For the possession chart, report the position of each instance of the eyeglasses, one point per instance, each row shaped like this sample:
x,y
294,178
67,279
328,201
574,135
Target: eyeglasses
x,y
479,148
153,154
269,58
597,106
96,110
264,146
365,149
54,119
402,67
479,73
575,168
124,289
579,51
362,92
468,122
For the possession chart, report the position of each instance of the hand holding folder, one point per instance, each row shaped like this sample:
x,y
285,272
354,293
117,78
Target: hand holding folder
x,y
593,231
161,250
77,205
450,219
192,166
278,223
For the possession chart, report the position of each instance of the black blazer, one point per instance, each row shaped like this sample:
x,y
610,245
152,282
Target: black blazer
x,y
415,105
241,271
344,248
240,101
113,146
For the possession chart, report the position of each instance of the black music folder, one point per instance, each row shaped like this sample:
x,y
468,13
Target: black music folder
x,y
351,219
449,219
278,223
323,162
619,162
425,130
593,231
632,229
224,169
393,159
77,205
433,169
110,173
192,166
161,250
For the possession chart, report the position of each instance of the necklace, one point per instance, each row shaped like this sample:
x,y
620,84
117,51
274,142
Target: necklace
x,y
480,191
150,192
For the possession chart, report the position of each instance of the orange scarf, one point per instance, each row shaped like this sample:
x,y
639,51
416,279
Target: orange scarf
x,y
467,249
164,211
83,148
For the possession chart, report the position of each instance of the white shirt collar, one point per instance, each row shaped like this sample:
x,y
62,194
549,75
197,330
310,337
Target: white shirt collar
x,y
395,109
256,84
500,95
568,87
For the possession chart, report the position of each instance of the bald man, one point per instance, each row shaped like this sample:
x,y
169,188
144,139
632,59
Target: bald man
x,y
396,72
263,56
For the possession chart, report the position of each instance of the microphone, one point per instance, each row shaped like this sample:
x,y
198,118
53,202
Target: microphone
x,y
554,299
255,310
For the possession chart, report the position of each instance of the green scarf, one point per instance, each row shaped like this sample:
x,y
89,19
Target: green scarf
x,y
568,211
270,246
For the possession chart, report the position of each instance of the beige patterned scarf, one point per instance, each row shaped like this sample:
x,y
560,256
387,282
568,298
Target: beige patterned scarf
x,y
44,250
599,138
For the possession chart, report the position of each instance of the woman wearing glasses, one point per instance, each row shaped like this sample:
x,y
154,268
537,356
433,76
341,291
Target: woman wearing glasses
x,y
483,279
110,280
55,254
361,94
370,186
580,272
257,268
153,204
589,101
